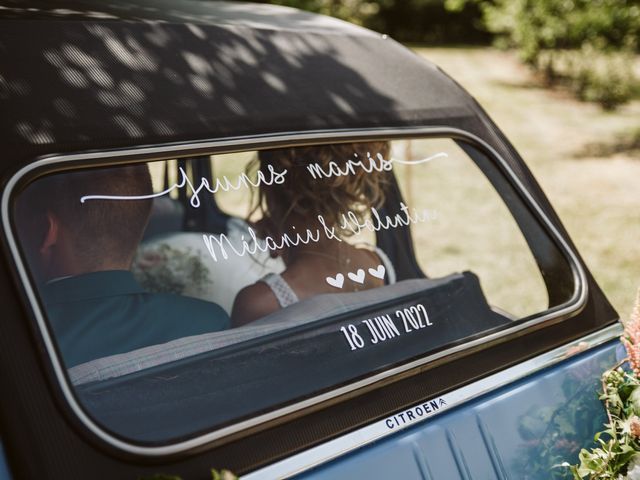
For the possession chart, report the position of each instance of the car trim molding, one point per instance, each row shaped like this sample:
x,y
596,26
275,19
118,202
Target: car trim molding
x,y
419,413
170,151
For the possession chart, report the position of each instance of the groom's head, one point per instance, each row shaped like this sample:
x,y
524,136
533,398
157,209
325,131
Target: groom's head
x,y
68,237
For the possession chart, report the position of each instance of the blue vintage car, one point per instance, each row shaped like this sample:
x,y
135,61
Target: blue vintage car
x,y
240,236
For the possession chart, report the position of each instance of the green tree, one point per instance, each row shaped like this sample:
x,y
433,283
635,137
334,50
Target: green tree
x,y
405,20
587,44
354,11
534,26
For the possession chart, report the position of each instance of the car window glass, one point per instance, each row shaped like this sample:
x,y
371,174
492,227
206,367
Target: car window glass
x,y
228,285
476,231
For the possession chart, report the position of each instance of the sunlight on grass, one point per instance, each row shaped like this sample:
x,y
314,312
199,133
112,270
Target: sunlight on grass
x,y
473,230
598,199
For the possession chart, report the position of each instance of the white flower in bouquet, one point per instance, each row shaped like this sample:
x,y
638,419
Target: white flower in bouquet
x,y
634,400
633,468
163,269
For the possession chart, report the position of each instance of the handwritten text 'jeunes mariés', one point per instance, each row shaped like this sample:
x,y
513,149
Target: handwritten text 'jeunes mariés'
x,y
271,177
370,164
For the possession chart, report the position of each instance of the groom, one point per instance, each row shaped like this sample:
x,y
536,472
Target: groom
x,y
81,254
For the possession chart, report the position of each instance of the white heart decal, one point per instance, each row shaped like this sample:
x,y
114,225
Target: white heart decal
x,y
357,277
337,282
377,272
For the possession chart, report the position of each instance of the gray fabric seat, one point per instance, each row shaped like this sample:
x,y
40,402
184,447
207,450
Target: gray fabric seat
x,y
304,312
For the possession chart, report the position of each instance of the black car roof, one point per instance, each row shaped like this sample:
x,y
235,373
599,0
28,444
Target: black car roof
x,y
79,75
198,12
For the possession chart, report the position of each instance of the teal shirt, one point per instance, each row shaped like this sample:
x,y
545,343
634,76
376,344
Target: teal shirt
x,y
104,313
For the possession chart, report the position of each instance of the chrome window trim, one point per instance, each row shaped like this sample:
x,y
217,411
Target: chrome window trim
x,y
169,151
325,452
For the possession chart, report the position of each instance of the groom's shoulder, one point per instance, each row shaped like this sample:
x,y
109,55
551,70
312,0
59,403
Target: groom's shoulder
x,y
172,306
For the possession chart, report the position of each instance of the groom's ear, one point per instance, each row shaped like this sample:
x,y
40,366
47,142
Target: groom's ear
x,y
52,232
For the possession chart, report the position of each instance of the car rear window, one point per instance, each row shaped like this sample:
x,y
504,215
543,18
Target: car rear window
x,y
190,295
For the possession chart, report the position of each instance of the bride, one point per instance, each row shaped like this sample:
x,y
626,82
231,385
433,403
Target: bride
x,y
329,265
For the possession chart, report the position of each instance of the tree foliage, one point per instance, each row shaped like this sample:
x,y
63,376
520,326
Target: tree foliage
x,y
537,25
587,44
404,20
354,11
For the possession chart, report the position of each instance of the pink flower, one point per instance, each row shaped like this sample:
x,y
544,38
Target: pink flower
x,y
634,426
631,337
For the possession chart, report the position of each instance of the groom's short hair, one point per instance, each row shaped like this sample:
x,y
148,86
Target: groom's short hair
x,y
97,227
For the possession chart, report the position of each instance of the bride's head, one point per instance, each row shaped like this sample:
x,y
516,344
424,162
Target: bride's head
x,y
308,192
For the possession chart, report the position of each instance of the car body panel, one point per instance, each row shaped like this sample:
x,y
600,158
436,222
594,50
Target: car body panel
x,y
4,465
514,432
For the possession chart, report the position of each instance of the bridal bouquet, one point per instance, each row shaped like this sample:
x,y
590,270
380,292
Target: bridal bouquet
x,y
165,269
617,453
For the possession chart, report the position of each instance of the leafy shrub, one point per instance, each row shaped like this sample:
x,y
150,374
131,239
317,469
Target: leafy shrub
x,y
606,78
586,44
534,26
405,20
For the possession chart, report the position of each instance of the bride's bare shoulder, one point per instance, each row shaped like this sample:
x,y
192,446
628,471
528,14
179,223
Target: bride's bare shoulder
x,y
253,302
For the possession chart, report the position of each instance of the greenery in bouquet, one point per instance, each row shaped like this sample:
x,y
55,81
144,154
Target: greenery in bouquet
x,y
616,455
553,433
161,268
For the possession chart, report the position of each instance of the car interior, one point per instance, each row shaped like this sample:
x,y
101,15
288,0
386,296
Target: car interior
x,y
160,394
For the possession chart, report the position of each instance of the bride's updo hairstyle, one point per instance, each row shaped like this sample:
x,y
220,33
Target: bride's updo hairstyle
x,y
304,196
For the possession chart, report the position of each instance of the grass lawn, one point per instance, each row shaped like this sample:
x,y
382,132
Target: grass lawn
x,y
576,151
